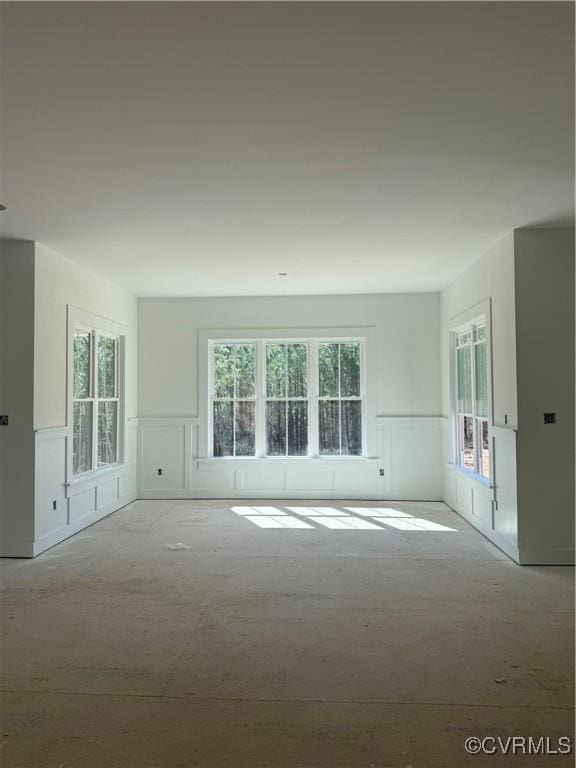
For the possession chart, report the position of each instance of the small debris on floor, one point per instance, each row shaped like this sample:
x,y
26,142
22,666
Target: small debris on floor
x,y
178,545
500,680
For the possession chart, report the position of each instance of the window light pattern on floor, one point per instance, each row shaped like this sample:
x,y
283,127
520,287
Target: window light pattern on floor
x,y
277,521
380,519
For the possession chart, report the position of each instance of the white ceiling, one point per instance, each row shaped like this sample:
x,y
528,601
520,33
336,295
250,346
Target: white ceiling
x,y
201,148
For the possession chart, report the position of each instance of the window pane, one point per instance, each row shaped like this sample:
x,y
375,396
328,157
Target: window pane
x,y
481,380
276,370
297,428
467,427
329,427
223,372
350,369
276,428
223,441
297,370
328,370
107,432
481,332
82,437
464,380
351,427
245,429
106,367
82,341
245,370
485,466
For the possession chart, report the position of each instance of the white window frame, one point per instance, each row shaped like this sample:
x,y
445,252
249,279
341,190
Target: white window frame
x,y
78,319
310,336
478,315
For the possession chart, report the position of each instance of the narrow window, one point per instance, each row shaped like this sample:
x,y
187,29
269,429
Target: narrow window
x,y
234,400
83,403
107,400
96,407
339,399
472,399
286,399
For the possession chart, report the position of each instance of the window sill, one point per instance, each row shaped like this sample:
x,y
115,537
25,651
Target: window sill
x,y
217,459
90,477
485,481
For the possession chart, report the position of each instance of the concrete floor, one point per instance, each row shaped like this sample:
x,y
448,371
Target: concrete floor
x,y
180,633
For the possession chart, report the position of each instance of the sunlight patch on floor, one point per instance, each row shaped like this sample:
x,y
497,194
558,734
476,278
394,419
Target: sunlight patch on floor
x,y
380,519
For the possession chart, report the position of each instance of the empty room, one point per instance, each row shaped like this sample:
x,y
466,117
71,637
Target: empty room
x,y
287,384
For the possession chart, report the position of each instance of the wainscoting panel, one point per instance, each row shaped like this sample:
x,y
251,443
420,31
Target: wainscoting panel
x,y
491,508
62,508
408,466
51,505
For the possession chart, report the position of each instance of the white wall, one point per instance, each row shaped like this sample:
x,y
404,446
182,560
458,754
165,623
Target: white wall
x,y
493,510
52,506
529,509
65,505
408,399
17,393
406,325
544,272
60,282
491,277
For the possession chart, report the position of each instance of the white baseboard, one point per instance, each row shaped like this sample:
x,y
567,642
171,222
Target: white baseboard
x,y
559,556
497,539
277,495
33,548
17,549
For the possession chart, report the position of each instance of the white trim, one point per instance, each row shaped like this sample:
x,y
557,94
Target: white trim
x,y
63,533
489,533
558,556
191,476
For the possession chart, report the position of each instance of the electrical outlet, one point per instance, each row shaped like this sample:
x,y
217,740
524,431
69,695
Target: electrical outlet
x,y
159,472
4,420
54,504
549,418
381,472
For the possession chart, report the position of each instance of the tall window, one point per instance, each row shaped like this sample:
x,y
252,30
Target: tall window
x,y
234,401
96,402
472,399
340,402
287,398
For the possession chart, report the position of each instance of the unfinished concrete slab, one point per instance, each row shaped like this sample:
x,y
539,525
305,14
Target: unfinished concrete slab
x,y
181,633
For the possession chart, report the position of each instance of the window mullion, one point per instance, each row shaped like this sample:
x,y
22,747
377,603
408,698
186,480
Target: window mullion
x,y
94,362
313,407
260,407
234,402
474,419
340,399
